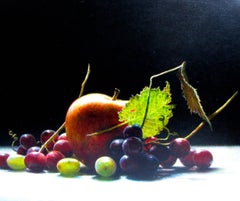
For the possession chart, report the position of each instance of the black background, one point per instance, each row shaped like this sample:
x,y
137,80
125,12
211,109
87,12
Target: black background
x,y
47,45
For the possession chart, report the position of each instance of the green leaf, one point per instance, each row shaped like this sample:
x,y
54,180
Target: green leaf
x,y
158,114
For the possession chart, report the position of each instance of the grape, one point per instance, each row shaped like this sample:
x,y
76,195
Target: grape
x,y
128,164
188,160
3,160
34,148
16,162
52,159
132,131
115,148
68,167
105,166
21,150
35,161
149,142
64,147
27,140
160,151
169,162
148,162
203,159
132,146
179,147
45,135
62,136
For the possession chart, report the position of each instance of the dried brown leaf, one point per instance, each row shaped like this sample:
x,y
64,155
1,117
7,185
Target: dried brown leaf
x,y
191,96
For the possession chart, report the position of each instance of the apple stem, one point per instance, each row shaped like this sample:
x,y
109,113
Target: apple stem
x,y
116,93
58,131
211,116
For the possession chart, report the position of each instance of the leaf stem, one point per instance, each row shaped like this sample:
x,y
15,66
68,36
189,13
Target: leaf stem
x,y
150,86
57,132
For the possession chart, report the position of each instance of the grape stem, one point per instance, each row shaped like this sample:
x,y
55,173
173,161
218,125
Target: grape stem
x,y
58,131
211,116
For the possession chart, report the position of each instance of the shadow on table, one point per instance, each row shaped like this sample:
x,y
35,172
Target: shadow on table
x,y
168,173
159,174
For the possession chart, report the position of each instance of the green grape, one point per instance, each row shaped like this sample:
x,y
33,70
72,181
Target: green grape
x,y
16,162
68,167
105,166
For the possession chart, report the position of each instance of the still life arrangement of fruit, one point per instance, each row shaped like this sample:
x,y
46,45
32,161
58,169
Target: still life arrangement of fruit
x,y
110,137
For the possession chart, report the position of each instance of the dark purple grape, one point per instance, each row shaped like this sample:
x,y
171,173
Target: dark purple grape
x,y
132,146
148,162
115,148
128,164
179,147
27,140
132,131
160,151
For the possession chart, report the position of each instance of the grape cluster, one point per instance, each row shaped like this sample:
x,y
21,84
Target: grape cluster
x,y
131,155
33,156
137,156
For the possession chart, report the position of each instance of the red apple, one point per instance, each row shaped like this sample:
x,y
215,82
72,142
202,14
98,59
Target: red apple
x,y
88,114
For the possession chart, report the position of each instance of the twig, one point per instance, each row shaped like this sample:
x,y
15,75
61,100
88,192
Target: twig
x,y
63,125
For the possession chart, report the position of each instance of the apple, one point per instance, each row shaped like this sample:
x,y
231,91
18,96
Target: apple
x,y
90,113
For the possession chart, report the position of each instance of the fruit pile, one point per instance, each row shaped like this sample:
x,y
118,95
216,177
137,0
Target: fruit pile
x,y
110,136
127,155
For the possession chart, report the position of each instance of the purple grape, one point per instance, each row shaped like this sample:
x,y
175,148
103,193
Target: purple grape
x,y
132,131
115,148
132,146
179,147
160,151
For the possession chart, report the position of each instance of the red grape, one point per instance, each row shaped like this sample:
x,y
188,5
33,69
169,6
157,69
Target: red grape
x,y
34,148
35,161
3,160
45,135
187,160
62,136
27,140
64,147
203,159
179,147
149,142
21,150
52,159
